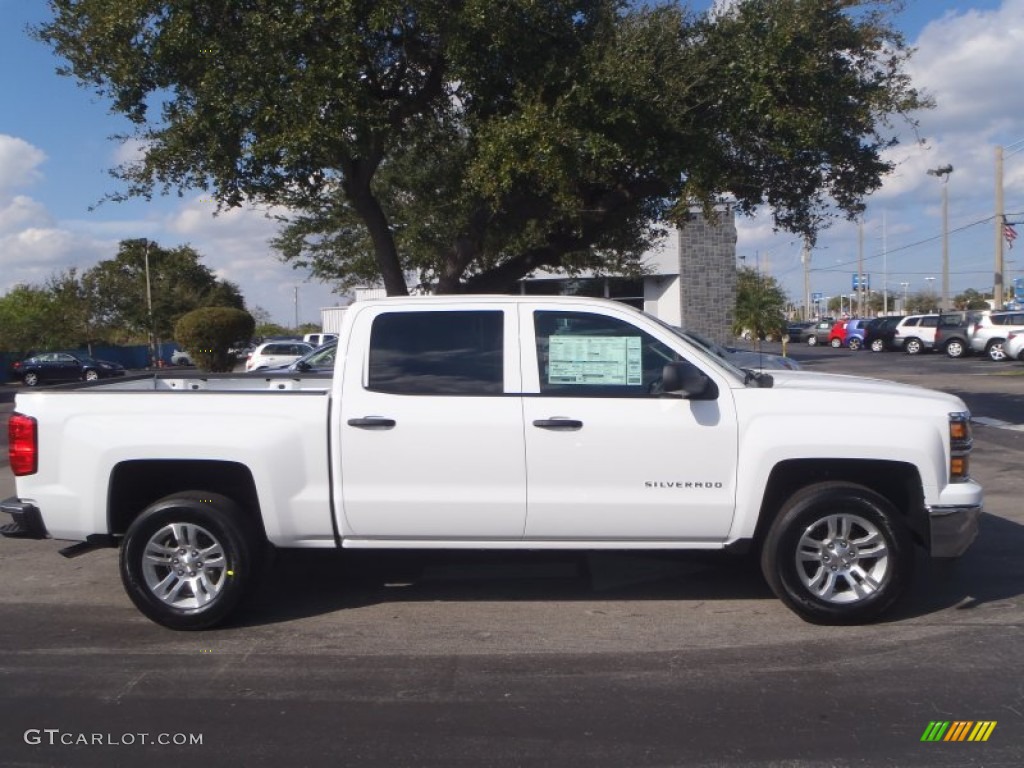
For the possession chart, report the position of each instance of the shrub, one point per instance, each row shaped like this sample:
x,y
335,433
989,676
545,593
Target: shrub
x,y
207,334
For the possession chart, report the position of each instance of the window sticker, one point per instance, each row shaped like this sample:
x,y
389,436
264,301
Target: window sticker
x,y
606,360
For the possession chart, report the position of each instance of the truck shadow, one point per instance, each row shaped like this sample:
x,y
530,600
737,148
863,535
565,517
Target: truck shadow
x,y
313,583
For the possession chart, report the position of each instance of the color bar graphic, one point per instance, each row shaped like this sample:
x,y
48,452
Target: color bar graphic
x,y
958,730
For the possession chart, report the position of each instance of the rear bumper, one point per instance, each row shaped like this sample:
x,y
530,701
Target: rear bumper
x,y
952,529
27,520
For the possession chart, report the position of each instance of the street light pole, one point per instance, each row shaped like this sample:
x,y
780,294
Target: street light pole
x,y
149,307
905,286
943,173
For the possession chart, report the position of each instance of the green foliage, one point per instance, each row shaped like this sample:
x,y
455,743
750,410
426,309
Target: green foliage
x,y
474,142
27,321
972,299
760,305
209,332
178,283
108,303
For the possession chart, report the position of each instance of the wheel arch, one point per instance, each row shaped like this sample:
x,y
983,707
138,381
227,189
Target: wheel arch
x,y
898,482
136,484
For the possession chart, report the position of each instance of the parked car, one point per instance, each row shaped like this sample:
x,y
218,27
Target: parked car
x,y
319,339
1013,347
320,360
880,333
819,332
49,367
990,331
271,354
797,332
742,358
916,333
953,335
837,334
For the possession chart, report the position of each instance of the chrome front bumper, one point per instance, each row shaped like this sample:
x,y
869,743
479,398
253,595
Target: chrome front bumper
x,y
952,529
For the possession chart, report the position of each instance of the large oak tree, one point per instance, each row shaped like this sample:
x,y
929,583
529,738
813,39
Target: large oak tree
x,y
474,141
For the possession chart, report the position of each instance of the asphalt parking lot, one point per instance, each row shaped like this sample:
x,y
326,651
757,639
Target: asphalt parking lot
x,y
535,658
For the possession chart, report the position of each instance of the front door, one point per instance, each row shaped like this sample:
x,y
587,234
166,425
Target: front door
x,y
608,456
432,425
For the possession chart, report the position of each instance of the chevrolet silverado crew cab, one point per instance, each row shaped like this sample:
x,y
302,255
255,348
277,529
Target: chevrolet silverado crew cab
x,y
498,423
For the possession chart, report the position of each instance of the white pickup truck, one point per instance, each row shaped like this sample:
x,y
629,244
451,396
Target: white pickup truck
x,y
498,422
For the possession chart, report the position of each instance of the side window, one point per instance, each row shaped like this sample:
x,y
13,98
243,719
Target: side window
x,y
929,322
437,353
913,321
580,354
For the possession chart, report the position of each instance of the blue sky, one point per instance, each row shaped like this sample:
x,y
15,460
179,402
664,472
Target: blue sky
x,y
55,153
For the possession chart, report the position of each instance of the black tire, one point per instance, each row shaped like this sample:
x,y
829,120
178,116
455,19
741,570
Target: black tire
x,y
206,592
913,346
855,343
868,549
835,342
91,376
955,348
877,345
812,341
995,352
31,379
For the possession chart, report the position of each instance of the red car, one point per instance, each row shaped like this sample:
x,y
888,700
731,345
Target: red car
x,y
837,335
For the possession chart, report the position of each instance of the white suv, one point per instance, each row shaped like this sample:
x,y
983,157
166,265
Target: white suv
x,y
916,333
989,332
274,353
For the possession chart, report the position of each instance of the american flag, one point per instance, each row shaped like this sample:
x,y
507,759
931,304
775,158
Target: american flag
x,y
1009,233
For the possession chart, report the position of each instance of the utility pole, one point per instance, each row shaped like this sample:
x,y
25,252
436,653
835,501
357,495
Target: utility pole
x,y
860,268
943,173
805,257
997,288
296,300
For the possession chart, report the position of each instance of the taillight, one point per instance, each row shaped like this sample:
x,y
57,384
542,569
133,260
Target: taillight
x,y
23,444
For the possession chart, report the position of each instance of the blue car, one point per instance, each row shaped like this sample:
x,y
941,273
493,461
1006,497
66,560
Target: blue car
x,y
855,330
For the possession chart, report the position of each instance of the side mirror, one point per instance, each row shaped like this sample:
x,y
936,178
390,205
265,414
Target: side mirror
x,y
686,380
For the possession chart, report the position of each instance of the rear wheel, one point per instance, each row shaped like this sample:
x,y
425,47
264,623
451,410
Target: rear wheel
x,y
994,350
838,553
855,343
955,348
188,559
812,341
836,342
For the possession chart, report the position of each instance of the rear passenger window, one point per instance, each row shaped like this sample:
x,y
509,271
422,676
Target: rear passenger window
x,y
437,353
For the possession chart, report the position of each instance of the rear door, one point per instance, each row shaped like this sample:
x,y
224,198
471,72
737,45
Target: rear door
x,y
431,422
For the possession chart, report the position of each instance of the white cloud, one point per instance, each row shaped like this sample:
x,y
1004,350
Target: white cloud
x,y
21,212
19,163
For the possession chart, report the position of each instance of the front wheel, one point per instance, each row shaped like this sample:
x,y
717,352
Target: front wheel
x,y
877,345
855,343
188,559
995,352
812,341
31,379
92,375
838,553
913,346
